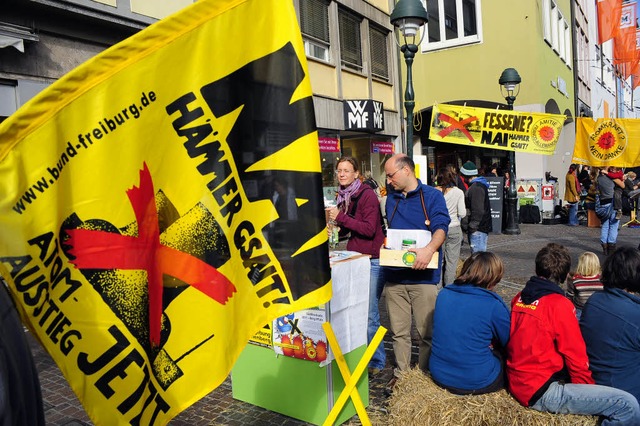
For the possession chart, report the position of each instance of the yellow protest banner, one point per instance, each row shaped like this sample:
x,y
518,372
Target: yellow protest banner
x,y
139,230
607,142
497,129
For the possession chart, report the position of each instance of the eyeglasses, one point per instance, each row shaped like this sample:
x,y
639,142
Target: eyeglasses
x,y
390,176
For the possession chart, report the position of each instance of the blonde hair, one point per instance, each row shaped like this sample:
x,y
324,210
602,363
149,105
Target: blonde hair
x,y
588,264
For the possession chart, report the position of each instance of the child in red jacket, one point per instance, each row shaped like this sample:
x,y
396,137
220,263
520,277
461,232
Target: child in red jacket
x,y
547,364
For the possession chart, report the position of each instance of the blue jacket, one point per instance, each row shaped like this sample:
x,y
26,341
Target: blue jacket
x,y
610,325
467,320
409,215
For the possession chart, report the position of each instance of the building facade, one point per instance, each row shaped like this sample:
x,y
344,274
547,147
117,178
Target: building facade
x,y
349,43
354,77
468,44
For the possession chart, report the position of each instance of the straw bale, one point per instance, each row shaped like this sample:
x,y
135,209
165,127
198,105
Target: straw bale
x,y
416,400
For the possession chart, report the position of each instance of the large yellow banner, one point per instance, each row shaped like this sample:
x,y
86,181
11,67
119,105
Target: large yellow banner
x,y
498,129
139,231
607,142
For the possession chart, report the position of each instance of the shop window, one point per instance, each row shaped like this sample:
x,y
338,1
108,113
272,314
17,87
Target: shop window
x,y
452,23
379,53
314,24
350,41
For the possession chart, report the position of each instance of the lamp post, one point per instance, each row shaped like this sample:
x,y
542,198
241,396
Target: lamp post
x,y
408,16
510,87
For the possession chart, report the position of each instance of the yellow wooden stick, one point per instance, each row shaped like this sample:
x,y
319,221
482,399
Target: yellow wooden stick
x,y
350,380
346,374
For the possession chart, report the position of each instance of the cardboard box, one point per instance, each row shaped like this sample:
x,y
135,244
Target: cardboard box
x,y
403,258
395,254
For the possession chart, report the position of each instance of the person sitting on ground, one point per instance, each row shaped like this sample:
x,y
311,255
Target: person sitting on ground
x,y
584,281
610,323
547,364
470,329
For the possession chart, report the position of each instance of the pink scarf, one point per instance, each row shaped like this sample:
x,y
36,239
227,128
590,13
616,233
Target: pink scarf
x,y
345,194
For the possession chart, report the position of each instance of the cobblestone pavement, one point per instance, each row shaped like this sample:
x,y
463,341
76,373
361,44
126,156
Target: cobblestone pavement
x,y
219,408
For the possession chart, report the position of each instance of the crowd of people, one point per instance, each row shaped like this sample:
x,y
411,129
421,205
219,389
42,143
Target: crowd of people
x,y
555,352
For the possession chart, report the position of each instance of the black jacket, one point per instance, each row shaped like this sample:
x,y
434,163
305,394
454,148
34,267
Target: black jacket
x,y
479,210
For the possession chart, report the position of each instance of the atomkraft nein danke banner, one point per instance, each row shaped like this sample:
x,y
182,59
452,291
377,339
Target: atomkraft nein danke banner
x,y
138,232
607,142
497,129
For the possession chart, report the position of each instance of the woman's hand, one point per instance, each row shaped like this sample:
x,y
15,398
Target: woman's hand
x,y
333,213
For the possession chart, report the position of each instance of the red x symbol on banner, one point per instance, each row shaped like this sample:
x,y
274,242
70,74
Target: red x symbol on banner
x,y
456,125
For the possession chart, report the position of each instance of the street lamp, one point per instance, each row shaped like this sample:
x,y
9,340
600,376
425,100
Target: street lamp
x,y
510,87
408,16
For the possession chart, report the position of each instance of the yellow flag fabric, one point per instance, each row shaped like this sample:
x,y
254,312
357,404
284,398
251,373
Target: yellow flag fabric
x,y
607,142
162,202
498,129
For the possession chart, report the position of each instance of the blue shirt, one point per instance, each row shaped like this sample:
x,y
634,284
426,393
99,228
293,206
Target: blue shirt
x,y
406,212
610,325
467,320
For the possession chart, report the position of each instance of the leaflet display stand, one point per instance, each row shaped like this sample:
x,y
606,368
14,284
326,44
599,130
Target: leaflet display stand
x,y
304,389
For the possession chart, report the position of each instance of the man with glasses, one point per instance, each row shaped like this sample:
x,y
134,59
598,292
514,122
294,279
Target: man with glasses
x,y
413,205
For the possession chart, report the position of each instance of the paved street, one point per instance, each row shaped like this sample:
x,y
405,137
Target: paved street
x,y
219,408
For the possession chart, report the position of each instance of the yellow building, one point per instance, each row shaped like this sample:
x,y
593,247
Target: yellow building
x,y
467,45
354,74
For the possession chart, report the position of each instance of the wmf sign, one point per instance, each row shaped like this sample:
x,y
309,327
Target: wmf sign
x,y
363,114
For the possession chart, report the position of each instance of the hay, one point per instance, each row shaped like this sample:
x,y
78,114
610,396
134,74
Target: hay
x,y
416,400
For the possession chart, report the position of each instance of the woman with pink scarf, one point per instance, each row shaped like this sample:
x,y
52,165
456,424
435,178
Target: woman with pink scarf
x,y
358,214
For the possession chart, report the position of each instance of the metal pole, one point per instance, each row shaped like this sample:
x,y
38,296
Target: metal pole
x,y
511,225
409,51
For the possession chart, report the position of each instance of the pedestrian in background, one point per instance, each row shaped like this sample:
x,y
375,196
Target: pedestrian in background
x,y
478,223
358,214
460,183
609,220
584,177
572,195
454,199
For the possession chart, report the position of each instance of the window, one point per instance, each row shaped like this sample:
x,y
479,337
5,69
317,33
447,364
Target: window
x,y
452,23
556,30
350,43
314,24
379,58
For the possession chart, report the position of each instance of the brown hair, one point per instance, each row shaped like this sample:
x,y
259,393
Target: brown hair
x,y
445,178
482,269
553,262
349,160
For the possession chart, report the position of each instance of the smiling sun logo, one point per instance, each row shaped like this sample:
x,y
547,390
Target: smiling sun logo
x,y
608,141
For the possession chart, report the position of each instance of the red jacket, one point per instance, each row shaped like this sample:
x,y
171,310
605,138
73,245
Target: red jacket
x,y
545,345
